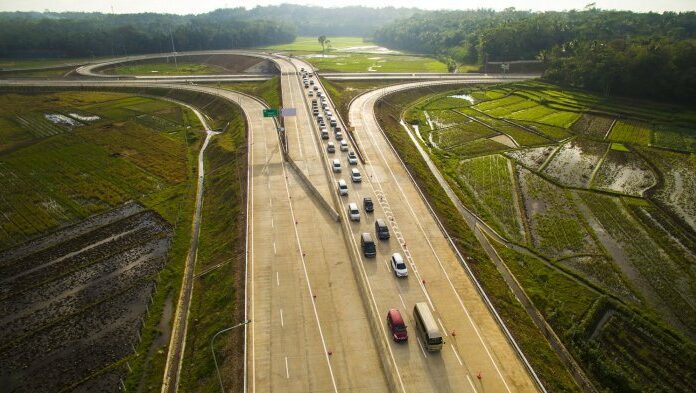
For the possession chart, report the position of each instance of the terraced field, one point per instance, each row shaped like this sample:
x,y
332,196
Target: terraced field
x,y
603,238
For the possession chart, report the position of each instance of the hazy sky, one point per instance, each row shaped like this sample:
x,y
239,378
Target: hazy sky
x,y
201,6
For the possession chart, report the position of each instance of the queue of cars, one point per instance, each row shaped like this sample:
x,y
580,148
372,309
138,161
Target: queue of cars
x,y
425,324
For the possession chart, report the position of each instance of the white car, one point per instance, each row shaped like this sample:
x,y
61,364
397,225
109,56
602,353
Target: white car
x,y
355,175
342,187
336,165
352,158
353,211
398,265
330,147
343,145
311,93
329,114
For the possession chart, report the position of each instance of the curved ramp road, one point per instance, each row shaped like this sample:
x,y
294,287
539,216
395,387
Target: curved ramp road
x,y
317,307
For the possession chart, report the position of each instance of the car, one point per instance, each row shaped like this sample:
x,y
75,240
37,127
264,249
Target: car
x,y
306,85
339,136
368,245
316,88
333,122
353,211
311,82
315,112
343,145
338,129
311,94
398,265
329,113
342,187
336,165
352,158
381,229
320,94
302,69
368,205
330,147
396,324
355,175
324,134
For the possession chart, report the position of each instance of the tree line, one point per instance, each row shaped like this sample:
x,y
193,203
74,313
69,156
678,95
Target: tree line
x,y
96,34
604,51
76,34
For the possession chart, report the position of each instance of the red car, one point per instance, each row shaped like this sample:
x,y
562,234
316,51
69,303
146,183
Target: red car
x,y
396,325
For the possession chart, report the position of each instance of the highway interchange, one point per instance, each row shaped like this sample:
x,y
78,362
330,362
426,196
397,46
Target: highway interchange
x,y
317,306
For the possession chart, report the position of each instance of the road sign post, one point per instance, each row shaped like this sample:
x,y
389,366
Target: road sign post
x,y
270,112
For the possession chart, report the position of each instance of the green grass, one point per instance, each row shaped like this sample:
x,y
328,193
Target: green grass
x,y
619,147
268,91
342,92
311,44
185,68
631,132
218,296
30,63
363,62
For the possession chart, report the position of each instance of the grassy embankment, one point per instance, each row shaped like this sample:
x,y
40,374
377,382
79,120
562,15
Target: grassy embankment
x,y
268,91
581,290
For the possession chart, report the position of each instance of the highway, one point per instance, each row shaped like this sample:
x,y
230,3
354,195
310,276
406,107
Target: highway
x,y
317,306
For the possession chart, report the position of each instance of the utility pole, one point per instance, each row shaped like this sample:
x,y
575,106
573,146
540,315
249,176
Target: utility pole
x,y
173,50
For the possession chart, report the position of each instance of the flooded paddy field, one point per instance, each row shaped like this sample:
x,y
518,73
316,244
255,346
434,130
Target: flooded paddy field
x,y
72,302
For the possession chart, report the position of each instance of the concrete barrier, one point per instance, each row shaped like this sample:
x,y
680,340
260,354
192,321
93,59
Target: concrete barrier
x,y
313,190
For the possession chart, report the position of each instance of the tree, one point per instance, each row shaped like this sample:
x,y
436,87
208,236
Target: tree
x,y
322,41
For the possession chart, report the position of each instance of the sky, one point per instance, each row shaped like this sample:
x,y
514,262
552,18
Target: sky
x,y
202,6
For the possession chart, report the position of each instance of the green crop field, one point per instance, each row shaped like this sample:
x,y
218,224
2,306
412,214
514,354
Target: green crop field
x,y
364,62
675,138
55,177
631,132
489,181
311,44
268,91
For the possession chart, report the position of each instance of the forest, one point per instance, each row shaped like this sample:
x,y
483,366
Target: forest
x,y
74,34
611,52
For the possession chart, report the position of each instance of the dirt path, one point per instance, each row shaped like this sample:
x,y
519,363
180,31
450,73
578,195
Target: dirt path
x,y
180,322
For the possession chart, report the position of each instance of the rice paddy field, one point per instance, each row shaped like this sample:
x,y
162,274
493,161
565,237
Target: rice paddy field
x,y
601,192
65,156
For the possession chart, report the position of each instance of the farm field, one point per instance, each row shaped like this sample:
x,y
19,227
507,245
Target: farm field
x,y
310,44
598,209
77,312
366,62
489,181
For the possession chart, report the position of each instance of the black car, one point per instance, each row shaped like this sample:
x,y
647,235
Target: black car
x,y
368,205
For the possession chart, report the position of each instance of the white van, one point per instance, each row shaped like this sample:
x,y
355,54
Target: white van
x,y
353,211
355,175
336,165
342,187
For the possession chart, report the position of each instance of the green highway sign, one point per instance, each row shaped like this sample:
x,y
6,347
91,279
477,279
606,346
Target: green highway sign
x,y
272,112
